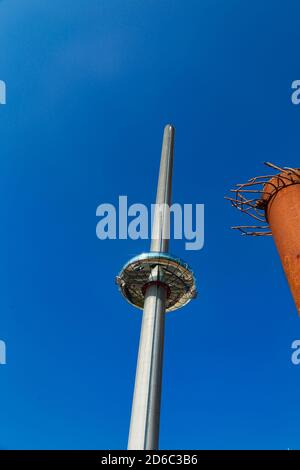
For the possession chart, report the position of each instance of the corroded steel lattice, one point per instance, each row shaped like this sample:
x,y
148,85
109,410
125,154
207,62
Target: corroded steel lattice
x,y
254,196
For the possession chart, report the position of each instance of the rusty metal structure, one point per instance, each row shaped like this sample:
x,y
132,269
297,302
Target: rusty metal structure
x,y
273,201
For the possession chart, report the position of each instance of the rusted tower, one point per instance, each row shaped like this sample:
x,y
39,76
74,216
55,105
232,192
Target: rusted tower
x,y
274,201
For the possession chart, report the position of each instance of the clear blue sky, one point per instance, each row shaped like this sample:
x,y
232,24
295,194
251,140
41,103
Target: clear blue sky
x,y
90,86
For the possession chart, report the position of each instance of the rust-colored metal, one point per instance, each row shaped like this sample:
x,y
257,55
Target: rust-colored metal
x,y
274,200
283,215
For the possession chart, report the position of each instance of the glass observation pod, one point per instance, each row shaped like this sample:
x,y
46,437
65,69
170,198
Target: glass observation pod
x,y
172,273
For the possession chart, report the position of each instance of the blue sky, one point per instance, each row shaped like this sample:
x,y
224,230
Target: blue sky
x,y
90,86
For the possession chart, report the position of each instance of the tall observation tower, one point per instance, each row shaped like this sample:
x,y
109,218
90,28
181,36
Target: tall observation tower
x,y
157,283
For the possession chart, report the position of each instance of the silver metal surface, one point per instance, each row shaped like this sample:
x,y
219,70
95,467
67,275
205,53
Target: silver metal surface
x,y
155,282
178,278
161,220
144,424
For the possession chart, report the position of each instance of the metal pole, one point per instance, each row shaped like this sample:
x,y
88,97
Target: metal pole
x,y
161,218
145,414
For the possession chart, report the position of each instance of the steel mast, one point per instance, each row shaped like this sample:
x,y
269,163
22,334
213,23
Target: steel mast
x,y
156,282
